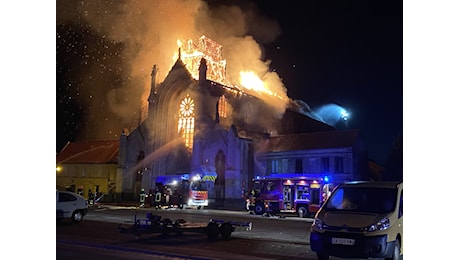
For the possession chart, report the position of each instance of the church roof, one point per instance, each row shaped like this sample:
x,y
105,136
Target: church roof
x,y
311,141
89,152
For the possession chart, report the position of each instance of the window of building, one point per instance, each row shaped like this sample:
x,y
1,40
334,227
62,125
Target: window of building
x,y
284,166
275,166
186,124
314,165
222,106
298,165
279,166
338,164
325,164
306,165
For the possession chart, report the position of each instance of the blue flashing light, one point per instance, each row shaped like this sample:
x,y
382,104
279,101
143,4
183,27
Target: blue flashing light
x,y
344,114
326,179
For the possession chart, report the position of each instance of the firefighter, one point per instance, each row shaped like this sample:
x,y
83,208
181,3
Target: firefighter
x,y
90,197
174,197
142,196
80,190
250,201
157,198
95,197
166,194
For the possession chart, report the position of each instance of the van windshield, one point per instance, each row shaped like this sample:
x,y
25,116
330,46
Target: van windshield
x,y
363,199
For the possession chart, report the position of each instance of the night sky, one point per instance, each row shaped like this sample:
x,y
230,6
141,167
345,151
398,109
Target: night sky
x,y
346,54
349,53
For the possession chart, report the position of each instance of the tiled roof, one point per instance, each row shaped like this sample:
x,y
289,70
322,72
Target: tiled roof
x,y
89,152
310,141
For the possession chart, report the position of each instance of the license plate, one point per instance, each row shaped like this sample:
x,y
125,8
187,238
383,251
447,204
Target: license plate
x,y
343,241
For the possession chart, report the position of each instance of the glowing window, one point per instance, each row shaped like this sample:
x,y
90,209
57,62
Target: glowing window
x,y
222,107
186,124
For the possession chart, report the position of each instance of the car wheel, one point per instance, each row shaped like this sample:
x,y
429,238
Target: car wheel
x,y
77,216
396,252
322,256
302,211
259,208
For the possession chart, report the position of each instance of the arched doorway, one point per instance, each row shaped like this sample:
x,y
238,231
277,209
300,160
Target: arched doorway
x,y
220,180
138,174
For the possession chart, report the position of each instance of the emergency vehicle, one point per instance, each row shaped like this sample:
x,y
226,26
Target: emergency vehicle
x,y
301,194
184,190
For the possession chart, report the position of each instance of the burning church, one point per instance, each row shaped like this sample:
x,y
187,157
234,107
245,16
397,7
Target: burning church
x,y
200,122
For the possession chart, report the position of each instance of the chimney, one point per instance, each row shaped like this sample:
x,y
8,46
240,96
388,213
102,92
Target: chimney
x,y
122,148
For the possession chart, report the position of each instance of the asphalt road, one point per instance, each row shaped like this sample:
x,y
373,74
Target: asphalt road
x,y
98,236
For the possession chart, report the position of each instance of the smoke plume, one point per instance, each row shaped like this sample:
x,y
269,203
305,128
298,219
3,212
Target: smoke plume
x,y
146,33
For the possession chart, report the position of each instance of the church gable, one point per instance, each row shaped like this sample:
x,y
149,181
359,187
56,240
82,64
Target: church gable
x,y
199,123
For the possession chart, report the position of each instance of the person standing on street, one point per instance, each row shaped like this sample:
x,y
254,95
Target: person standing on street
x,y
157,198
142,196
90,197
250,201
80,190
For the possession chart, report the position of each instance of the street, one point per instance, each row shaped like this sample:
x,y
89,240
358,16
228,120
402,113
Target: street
x,y
98,236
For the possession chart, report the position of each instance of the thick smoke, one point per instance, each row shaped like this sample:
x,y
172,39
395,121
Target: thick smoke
x,y
149,30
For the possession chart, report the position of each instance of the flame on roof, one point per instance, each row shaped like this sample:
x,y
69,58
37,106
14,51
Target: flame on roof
x,y
191,53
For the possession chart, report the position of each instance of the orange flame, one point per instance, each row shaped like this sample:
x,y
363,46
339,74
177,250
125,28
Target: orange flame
x,y
251,81
192,52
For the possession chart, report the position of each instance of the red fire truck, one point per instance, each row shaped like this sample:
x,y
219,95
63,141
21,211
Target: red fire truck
x,y
301,194
182,191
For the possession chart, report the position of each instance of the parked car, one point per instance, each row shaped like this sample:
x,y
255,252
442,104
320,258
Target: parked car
x,y
70,205
360,220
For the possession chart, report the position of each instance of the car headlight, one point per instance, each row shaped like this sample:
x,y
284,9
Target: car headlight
x,y
317,223
382,224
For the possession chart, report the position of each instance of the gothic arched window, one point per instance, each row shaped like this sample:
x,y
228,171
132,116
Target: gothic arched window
x,y
222,107
186,124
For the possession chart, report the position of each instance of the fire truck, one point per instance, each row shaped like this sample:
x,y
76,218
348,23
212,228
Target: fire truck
x,y
180,191
300,194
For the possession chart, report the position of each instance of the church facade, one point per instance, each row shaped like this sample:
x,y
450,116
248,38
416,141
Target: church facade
x,y
198,125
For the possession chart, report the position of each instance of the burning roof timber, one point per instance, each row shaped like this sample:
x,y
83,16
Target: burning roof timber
x,y
192,52
296,116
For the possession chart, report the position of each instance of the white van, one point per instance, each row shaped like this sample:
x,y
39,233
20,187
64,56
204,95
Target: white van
x,y
360,220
